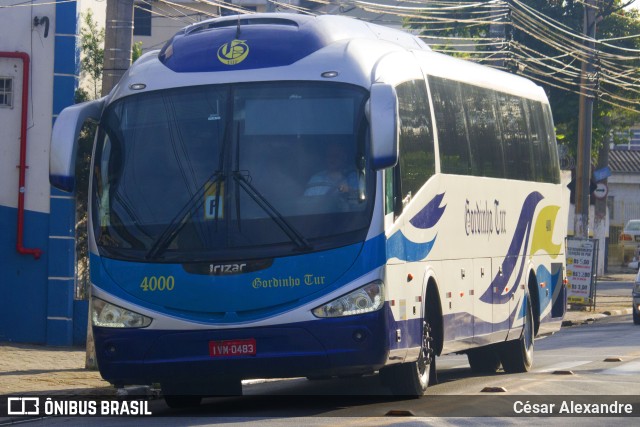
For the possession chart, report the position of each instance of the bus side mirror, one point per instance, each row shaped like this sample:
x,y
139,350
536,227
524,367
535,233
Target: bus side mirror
x,y
384,128
64,142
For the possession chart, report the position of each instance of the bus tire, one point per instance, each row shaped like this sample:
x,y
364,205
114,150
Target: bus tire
x,y
412,379
319,377
517,356
182,401
484,360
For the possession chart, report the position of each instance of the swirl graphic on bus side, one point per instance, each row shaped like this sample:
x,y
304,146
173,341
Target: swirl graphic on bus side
x,y
234,52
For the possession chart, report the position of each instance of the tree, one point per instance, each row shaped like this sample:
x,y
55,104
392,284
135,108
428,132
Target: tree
x,y
543,40
92,51
136,51
92,54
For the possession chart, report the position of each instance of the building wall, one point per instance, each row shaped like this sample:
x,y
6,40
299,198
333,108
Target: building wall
x,y
624,191
36,293
166,20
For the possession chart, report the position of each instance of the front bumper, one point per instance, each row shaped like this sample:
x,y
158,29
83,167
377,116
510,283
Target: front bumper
x,y
340,346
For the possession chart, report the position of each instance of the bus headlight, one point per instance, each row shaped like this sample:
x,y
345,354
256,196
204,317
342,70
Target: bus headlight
x,y
366,299
108,315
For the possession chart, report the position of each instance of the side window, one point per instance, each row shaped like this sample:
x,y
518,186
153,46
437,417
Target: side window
x,y
552,145
417,159
455,156
142,19
515,137
484,133
543,158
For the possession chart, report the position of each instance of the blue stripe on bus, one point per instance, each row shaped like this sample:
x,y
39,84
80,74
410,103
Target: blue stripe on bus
x,y
403,248
233,298
519,243
430,214
399,246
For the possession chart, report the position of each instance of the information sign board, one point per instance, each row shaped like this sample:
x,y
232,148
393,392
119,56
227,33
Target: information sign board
x,y
581,262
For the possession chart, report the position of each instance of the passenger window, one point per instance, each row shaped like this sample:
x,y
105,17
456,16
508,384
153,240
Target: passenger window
x,y
515,136
455,156
417,158
484,133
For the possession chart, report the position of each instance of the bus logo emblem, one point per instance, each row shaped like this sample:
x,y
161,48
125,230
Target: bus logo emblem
x,y
234,52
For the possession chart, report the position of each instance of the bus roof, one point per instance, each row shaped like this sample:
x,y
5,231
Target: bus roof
x,y
247,48
268,40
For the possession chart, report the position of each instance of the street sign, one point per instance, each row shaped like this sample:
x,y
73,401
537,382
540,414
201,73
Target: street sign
x,y
602,174
601,190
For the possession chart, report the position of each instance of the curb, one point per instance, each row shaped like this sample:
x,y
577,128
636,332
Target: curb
x,y
597,316
621,312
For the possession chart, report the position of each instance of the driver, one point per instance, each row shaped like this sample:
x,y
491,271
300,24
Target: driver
x,y
337,177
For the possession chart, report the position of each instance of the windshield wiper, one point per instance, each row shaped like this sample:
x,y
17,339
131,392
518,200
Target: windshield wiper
x,y
180,220
293,234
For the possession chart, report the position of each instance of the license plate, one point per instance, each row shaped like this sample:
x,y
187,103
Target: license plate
x,y
230,348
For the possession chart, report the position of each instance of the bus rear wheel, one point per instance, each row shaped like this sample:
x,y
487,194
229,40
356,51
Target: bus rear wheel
x,y
517,356
484,360
412,378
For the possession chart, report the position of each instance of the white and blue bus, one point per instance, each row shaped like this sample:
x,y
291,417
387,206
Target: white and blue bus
x,y
279,195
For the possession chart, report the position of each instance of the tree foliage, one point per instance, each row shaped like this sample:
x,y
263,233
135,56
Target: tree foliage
x,y
136,51
92,57
540,54
92,51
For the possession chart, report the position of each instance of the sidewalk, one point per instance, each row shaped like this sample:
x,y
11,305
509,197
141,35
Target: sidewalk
x,y
36,369
605,305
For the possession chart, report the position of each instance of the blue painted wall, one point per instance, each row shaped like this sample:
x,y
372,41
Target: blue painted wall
x,y
37,296
23,291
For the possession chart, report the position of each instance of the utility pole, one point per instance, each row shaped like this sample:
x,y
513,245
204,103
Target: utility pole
x,y
118,37
585,123
600,211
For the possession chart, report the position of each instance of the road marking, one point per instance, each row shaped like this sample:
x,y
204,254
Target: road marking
x,y
631,368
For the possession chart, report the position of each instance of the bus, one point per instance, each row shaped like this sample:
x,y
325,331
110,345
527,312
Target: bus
x,y
279,195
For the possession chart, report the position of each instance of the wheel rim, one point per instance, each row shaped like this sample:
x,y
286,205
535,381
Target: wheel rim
x,y
424,360
527,338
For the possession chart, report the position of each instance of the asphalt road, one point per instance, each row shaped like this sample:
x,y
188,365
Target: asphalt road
x,y
590,363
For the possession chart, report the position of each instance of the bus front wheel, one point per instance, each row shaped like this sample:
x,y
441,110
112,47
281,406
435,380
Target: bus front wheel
x,y
412,378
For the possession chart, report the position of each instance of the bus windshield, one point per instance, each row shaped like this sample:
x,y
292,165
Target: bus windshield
x,y
232,172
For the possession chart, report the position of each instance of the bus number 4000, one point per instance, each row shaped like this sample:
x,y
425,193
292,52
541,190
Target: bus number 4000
x,y
157,283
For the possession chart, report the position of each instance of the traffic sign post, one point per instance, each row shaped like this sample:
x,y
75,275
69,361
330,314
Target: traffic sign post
x,y
601,191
